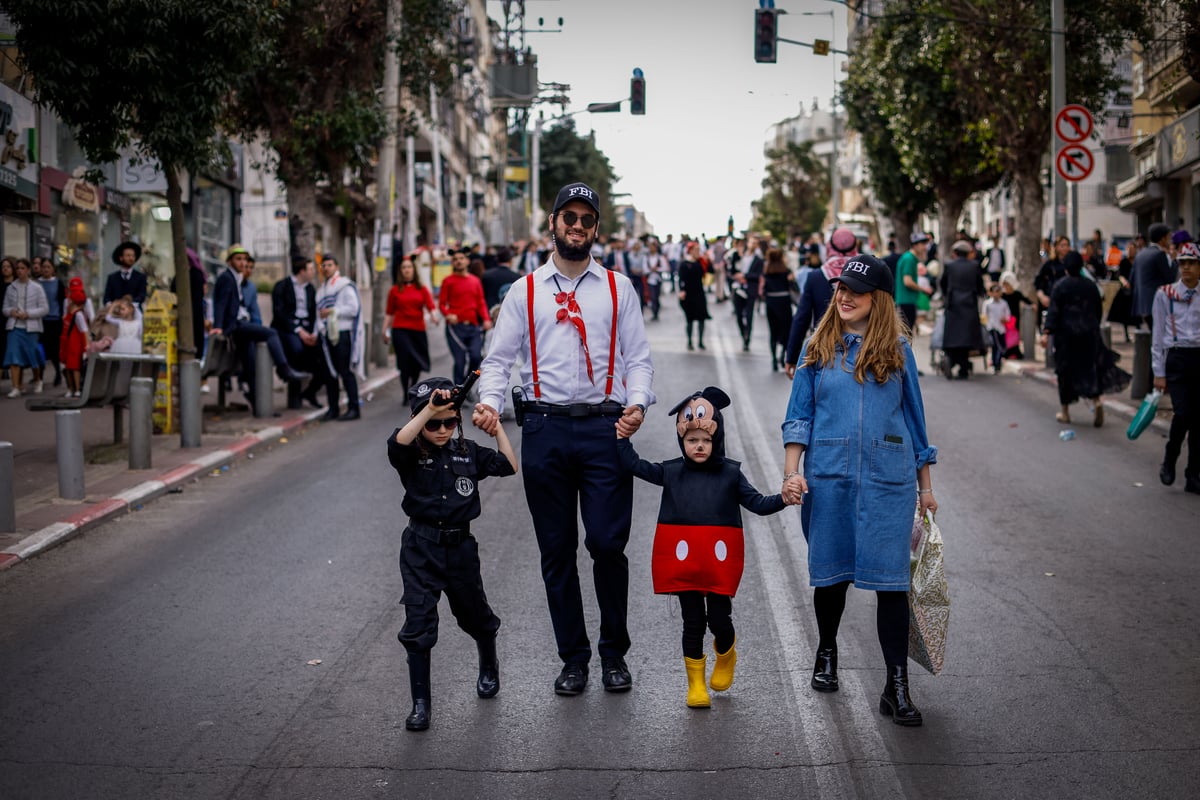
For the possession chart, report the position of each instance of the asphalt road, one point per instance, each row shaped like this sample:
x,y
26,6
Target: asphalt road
x,y
237,640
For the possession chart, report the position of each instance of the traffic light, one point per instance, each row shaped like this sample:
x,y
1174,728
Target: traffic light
x,y
637,93
765,21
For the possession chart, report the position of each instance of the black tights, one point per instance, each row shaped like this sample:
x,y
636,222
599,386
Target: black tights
x,y
718,618
891,620
700,323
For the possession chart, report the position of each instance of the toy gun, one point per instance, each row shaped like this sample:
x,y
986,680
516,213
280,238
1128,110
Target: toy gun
x,y
458,395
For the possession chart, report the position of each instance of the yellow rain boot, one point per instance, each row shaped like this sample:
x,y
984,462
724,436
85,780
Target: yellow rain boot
x,y
722,675
697,694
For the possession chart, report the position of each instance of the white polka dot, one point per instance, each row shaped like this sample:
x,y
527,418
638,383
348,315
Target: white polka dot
x,y
721,550
681,550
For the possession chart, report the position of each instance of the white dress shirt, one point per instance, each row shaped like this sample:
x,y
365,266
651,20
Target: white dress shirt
x,y
1176,324
562,369
301,301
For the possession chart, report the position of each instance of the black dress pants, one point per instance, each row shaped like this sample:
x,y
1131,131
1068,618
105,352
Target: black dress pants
x,y
1183,384
339,356
428,569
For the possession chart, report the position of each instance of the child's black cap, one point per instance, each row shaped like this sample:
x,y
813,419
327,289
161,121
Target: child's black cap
x,y
418,395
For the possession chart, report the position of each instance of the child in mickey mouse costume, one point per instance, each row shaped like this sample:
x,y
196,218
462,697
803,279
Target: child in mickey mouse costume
x,y
698,547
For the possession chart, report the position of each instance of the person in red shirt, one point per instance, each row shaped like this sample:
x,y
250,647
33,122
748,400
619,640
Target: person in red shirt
x,y
409,303
461,302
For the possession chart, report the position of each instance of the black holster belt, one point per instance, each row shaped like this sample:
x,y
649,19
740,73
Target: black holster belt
x,y
574,409
440,534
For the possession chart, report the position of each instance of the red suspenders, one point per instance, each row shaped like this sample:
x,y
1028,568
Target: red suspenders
x,y
612,339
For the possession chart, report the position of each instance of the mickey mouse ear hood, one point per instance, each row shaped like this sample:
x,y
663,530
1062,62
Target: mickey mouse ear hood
x,y
702,411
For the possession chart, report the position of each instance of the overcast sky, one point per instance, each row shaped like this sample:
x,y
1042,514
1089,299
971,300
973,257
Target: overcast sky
x,y
696,157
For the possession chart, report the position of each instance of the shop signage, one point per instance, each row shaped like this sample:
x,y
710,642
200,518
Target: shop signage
x,y
137,174
118,201
18,167
1178,143
81,194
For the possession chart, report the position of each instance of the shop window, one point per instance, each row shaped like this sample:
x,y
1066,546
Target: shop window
x,y
214,223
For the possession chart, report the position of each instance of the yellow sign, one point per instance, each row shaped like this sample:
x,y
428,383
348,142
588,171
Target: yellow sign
x,y
160,336
820,47
516,174
440,269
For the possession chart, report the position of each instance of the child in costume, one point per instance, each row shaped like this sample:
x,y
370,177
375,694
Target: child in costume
x,y
698,547
437,551
74,341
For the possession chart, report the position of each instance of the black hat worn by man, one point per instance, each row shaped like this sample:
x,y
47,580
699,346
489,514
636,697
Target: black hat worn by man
x,y
865,274
577,191
122,247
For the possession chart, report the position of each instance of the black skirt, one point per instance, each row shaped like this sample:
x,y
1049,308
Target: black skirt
x,y
412,350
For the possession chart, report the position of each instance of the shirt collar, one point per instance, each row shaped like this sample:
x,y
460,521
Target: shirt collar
x,y
547,271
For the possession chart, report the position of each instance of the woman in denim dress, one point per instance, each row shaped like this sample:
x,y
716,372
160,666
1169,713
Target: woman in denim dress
x,y
856,415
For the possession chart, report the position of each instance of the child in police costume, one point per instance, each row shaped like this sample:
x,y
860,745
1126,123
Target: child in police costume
x,y
438,554
698,547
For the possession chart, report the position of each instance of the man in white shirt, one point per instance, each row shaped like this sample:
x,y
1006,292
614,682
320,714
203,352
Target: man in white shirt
x,y
579,386
339,309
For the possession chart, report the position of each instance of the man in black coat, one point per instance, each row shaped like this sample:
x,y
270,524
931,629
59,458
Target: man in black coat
x,y
126,280
495,278
962,287
1151,269
293,316
231,317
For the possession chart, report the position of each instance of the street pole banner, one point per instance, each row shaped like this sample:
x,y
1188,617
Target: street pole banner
x,y
1074,162
1073,124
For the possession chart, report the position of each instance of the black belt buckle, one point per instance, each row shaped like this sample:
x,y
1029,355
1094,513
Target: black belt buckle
x,y
518,401
579,410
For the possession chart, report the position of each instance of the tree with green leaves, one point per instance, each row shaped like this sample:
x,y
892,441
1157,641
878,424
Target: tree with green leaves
x,y
902,199
151,74
1003,70
794,192
316,102
941,140
567,157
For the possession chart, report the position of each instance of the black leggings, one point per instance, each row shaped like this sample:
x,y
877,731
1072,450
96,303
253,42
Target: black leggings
x,y
718,618
891,620
699,322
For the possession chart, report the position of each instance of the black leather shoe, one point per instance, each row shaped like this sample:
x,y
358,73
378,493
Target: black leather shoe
x,y
311,400
1166,473
825,677
572,680
895,701
488,683
330,415
289,375
615,675
353,413
1192,485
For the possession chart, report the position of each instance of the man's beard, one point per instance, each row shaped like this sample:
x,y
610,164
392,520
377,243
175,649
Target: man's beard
x,y
581,252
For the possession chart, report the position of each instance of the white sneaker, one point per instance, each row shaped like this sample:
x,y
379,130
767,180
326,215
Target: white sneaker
x,y
37,387
14,394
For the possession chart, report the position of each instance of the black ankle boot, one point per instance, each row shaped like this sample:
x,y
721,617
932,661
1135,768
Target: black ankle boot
x,y
418,681
895,701
825,677
489,668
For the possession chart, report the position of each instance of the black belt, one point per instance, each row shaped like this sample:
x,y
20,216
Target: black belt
x,y
441,533
574,409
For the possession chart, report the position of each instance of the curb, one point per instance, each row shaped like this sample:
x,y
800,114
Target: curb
x,y
134,498
1121,409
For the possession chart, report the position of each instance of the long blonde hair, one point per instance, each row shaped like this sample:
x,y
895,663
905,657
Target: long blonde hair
x,y
881,353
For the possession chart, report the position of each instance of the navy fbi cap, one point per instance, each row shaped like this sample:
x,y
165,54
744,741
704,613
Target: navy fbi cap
x,y
577,191
864,274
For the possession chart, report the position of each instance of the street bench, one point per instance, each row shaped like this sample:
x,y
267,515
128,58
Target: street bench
x,y
106,382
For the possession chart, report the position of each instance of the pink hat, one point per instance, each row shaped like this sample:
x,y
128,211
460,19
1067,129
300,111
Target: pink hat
x,y
843,240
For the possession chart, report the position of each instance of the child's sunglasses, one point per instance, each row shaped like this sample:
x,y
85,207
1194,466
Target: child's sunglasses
x,y
450,423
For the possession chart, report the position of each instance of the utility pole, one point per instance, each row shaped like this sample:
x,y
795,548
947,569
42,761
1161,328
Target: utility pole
x,y
1058,99
436,132
385,185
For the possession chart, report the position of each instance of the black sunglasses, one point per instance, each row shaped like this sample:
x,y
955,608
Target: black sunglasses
x,y
450,423
588,221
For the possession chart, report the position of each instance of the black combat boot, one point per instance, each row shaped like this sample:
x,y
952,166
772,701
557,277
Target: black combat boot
x,y
489,668
895,701
418,680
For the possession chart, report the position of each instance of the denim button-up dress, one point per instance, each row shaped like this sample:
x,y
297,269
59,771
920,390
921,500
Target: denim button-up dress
x,y
863,446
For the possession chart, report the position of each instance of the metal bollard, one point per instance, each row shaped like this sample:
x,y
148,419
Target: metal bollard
x,y
1142,380
263,385
141,422
8,497
191,409
68,432
1029,332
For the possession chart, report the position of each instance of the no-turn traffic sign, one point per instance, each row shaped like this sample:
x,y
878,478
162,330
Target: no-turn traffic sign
x,y
1073,123
1074,162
